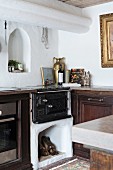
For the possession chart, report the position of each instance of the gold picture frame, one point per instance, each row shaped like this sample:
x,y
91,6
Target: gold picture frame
x,y
106,35
47,76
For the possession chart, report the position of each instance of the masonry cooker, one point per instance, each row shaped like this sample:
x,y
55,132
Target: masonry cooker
x,y
50,103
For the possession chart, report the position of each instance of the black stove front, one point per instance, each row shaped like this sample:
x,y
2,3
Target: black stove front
x,y
50,104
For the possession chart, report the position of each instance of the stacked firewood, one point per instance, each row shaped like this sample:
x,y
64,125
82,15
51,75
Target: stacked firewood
x,y
46,147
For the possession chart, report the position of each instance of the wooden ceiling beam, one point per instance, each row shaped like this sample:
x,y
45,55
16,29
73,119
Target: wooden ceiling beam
x,y
85,3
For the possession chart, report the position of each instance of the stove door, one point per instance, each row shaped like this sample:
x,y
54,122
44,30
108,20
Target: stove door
x,y
38,106
49,106
56,103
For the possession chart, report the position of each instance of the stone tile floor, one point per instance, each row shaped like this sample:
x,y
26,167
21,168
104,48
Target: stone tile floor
x,y
74,163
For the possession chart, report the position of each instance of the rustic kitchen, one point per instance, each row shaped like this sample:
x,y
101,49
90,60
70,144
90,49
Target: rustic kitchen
x,y
39,37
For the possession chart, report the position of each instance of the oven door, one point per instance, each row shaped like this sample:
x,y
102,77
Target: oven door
x,y
56,103
8,141
7,134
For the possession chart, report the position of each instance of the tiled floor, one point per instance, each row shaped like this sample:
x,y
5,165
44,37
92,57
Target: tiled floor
x,y
69,164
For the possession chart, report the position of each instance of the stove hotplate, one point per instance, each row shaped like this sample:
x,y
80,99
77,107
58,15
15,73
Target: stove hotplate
x,y
51,88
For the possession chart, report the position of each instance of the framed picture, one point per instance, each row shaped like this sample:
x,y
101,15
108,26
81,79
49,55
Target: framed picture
x,y
106,35
47,76
76,75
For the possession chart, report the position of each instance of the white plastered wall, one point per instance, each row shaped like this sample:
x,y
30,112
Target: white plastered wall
x,y
39,56
80,50
84,50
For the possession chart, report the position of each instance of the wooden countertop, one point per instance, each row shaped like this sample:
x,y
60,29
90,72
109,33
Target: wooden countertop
x,y
29,89
80,89
95,90
96,133
16,90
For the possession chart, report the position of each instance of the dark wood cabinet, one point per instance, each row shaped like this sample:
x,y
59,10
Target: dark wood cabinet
x,y
86,106
101,160
15,113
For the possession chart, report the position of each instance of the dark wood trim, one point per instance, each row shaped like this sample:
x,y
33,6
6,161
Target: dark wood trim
x,y
23,123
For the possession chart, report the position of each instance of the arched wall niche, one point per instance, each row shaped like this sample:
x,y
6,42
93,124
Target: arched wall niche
x,y
19,48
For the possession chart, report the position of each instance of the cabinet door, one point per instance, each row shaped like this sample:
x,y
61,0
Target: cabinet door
x,y
86,108
94,107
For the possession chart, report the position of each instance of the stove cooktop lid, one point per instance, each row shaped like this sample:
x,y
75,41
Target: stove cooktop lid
x,y
52,87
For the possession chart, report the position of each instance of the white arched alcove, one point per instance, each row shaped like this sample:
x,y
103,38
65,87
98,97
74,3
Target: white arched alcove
x,y
19,48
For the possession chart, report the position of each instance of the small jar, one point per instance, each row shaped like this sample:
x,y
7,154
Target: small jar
x,y
11,68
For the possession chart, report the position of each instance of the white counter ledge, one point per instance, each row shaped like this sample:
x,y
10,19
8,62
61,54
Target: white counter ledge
x,y
96,133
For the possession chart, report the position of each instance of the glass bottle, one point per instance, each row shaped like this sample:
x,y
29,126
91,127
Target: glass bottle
x,y
60,75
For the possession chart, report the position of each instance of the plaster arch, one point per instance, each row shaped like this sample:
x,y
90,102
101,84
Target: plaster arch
x,y
19,48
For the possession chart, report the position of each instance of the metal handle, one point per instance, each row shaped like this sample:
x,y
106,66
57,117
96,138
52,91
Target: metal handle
x,y
7,120
44,100
50,106
0,112
98,100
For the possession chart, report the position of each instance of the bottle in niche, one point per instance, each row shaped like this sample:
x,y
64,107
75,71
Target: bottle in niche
x,y
60,75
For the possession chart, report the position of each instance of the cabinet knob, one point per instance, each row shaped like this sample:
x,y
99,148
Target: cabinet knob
x,y
50,106
7,120
0,112
98,100
44,100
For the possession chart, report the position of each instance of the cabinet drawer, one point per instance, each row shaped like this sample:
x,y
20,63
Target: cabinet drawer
x,y
80,146
79,150
7,109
